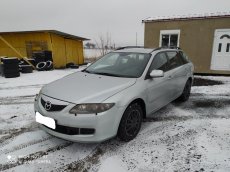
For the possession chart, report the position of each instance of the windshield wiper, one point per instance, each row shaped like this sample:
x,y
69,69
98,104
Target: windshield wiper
x,y
107,74
87,71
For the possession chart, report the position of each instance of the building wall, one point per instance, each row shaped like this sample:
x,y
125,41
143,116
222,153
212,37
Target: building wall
x,y
196,39
66,51
63,50
19,40
58,51
74,51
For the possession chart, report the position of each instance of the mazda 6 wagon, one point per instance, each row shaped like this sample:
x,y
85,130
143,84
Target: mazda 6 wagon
x,y
113,95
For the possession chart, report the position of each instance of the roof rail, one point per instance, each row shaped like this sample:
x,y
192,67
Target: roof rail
x,y
121,48
170,47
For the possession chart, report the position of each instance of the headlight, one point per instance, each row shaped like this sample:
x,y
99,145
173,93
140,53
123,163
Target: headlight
x,y
91,108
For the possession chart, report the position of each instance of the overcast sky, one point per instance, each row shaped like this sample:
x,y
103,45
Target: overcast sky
x,y
120,18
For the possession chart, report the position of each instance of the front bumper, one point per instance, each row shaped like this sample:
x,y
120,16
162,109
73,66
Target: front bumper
x,y
105,124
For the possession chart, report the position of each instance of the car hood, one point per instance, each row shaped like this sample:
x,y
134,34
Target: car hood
x,y
83,87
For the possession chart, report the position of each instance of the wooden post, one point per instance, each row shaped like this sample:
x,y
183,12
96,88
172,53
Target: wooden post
x,y
16,51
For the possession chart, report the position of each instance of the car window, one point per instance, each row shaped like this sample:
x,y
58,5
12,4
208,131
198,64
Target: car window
x,y
110,61
159,62
184,57
174,59
120,64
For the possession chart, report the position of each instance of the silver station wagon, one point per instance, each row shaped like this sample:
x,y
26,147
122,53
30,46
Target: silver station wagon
x,y
111,96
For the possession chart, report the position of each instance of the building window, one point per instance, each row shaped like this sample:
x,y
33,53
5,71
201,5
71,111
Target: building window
x,y
32,46
219,47
169,38
227,48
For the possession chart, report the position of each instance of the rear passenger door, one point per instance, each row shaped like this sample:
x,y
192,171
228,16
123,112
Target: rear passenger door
x,y
178,74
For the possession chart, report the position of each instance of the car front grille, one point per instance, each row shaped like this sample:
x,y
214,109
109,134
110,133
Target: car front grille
x,y
72,131
53,107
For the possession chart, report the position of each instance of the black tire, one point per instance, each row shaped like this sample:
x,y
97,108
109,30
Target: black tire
x,y
22,62
32,61
69,64
6,70
186,92
11,69
26,68
48,55
85,63
49,65
74,66
12,75
10,60
41,66
11,66
1,69
38,57
3,57
130,122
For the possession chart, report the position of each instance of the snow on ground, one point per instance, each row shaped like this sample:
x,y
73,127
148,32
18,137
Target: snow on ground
x,y
191,136
30,84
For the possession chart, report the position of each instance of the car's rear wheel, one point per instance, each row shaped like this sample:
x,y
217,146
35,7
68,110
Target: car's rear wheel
x,y
186,92
130,123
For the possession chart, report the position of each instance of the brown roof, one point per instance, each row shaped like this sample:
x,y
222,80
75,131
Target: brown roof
x,y
187,17
62,34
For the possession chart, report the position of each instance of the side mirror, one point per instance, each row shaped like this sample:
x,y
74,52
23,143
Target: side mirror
x,y
156,73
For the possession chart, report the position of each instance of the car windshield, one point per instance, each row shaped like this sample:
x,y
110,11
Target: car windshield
x,y
120,64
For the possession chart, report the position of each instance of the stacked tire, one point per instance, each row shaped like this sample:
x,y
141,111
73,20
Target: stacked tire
x,y
1,69
24,67
10,67
43,60
72,65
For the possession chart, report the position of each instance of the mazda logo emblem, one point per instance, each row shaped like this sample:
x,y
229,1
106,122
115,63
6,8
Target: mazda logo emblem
x,y
48,105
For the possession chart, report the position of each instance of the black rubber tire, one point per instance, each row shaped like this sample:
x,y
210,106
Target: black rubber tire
x,y
74,66
38,57
130,123
26,68
10,60
48,55
22,62
1,69
41,66
11,70
11,66
32,61
186,92
7,70
12,75
3,57
69,64
49,65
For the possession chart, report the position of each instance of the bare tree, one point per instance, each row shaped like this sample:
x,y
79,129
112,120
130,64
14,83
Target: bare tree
x,y
104,43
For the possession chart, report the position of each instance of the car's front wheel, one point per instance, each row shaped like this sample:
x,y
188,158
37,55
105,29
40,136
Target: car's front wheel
x,y
130,123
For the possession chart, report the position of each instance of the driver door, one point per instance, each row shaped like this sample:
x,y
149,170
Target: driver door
x,y
158,89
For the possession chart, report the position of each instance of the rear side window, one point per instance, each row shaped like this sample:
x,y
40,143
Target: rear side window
x,y
159,62
184,57
174,59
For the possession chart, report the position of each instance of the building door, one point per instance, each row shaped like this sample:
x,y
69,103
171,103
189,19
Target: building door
x,y
221,50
